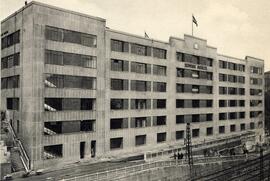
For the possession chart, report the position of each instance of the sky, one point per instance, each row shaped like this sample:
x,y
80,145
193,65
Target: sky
x,y
236,27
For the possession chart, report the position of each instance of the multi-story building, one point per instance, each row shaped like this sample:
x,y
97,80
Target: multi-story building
x,y
267,102
75,89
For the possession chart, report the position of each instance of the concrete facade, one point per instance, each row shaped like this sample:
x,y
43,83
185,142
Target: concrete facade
x,y
33,21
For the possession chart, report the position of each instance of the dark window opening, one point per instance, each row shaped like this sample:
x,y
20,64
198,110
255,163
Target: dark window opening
x,y
159,120
221,129
232,128
140,140
159,103
161,137
119,123
116,143
53,151
209,131
195,133
119,104
179,135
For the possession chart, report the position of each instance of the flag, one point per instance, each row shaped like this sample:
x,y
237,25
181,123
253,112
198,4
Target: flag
x,y
194,20
145,35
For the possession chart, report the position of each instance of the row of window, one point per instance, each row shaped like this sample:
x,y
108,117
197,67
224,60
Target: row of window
x,y
180,72
10,61
254,103
69,104
256,70
189,88
231,103
122,46
193,118
137,122
231,66
255,81
10,39
10,82
68,81
232,115
120,104
255,92
137,85
231,90
123,66
64,58
231,78
193,103
62,35
255,114
184,57
118,143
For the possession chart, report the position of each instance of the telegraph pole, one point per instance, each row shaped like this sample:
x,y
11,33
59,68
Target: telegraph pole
x,y
189,149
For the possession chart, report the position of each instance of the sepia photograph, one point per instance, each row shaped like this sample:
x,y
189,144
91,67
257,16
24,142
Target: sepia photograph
x,y
135,90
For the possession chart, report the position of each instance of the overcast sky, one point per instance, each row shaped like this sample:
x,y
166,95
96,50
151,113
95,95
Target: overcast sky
x,y
236,27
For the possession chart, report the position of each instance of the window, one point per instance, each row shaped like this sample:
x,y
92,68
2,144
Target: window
x,y
242,126
10,61
195,133
209,117
116,143
232,128
159,120
255,70
161,137
179,56
232,115
119,104
255,114
256,81
209,131
180,103
119,123
140,140
140,68
241,67
221,129
87,125
232,78
179,135
252,125
159,87
10,82
140,49
64,58
241,103
232,103
241,91
159,53
241,79
222,64
53,151
195,118
68,81
254,103
10,39
119,65
140,122
159,103
62,35
255,92
180,119
222,103
140,103
222,116
119,84
222,90
232,90
13,103
222,77
159,70
232,66
138,85
69,104
119,46
242,115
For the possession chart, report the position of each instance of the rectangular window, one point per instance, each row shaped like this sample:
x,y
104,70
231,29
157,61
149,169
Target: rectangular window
x,y
141,68
241,79
119,123
140,103
119,84
161,137
179,56
10,61
221,129
222,64
179,135
10,39
255,92
232,90
140,49
138,85
159,70
222,116
119,46
252,125
209,131
241,103
159,86
180,119
159,53
119,104
232,128
195,118
53,151
241,91
242,115
223,90
232,103
242,126
13,103
159,120
195,133
69,104
233,115
159,103
222,103
119,65
180,103
116,143
222,77
140,122
10,82
140,140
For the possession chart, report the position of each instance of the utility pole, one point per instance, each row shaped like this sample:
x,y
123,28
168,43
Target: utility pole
x,y
189,149
261,164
